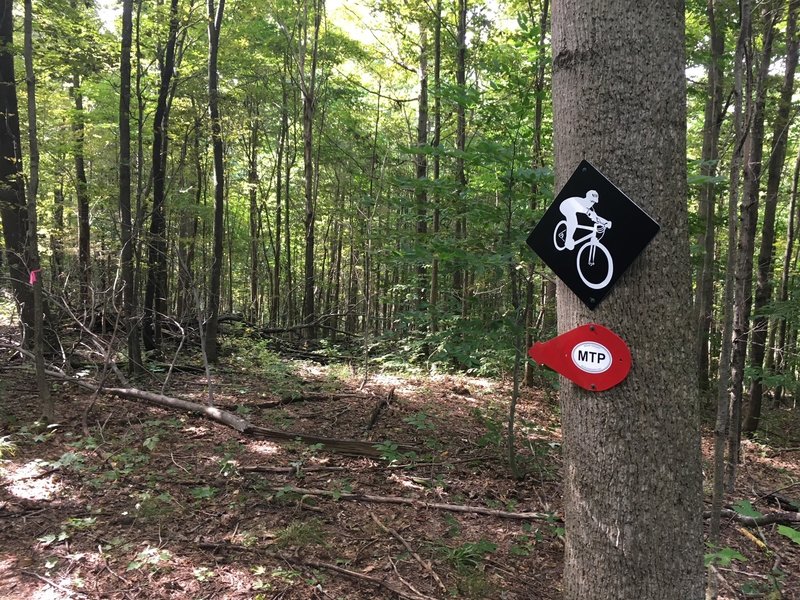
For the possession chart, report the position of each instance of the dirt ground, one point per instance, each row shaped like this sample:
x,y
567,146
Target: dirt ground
x,y
158,504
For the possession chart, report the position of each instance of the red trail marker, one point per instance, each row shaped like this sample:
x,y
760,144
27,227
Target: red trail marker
x,y
591,356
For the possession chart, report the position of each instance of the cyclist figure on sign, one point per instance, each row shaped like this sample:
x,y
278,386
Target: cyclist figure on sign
x,y
574,205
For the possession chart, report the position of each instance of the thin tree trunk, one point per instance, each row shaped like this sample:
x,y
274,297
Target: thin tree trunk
x,y
45,399
748,219
214,26
538,162
777,159
126,223
460,275
421,161
57,239
436,143
13,209
781,349
308,88
252,180
709,158
723,392
82,193
155,292
276,283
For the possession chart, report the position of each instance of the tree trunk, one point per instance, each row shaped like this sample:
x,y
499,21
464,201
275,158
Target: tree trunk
x,y
214,25
723,416
13,209
308,88
155,293
45,399
126,222
633,494
57,239
436,142
82,193
460,275
421,162
777,159
748,220
709,158
781,349
252,183
538,162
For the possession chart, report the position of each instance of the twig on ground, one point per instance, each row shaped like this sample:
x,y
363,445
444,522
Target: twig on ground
x,y
52,583
425,565
360,576
407,583
479,510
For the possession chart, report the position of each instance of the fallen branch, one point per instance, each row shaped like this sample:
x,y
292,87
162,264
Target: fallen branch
x,y
311,397
768,519
359,576
421,504
376,412
308,562
229,419
425,564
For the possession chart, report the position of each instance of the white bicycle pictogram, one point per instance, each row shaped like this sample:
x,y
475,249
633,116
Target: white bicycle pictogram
x,y
595,270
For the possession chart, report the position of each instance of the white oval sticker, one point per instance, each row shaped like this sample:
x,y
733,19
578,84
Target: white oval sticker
x,y
591,357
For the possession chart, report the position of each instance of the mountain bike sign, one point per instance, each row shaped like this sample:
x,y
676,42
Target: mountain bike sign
x,y
591,234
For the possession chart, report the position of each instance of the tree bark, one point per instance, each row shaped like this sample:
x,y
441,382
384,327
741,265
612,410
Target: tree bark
x,y
82,193
436,143
460,275
252,182
214,26
45,399
708,168
13,210
309,89
633,494
156,290
748,220
776,162
126,221
421,161
781,349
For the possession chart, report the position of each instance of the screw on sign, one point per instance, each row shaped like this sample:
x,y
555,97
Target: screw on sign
x,y
591,356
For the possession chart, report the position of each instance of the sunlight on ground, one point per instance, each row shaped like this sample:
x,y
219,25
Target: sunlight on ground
x,y
759,454
264,447
25,481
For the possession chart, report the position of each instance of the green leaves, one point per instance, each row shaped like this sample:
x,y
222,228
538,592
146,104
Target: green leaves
x,y
724,557
745,508
790,533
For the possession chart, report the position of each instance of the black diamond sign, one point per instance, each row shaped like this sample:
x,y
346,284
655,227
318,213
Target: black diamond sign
x,y
591,234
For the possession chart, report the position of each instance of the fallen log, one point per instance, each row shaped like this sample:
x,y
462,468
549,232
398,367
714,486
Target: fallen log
x,y
782,518
229,419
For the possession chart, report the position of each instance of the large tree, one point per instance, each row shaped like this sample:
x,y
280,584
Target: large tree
x,y
633,496
13,209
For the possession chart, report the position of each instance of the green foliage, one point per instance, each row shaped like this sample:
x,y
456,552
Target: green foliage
x,y
469,555
745,508
204,492
790,533
724,557
150,557
301,534
390,452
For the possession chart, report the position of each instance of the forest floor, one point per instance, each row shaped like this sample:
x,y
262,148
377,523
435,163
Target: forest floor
x,y
158,504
